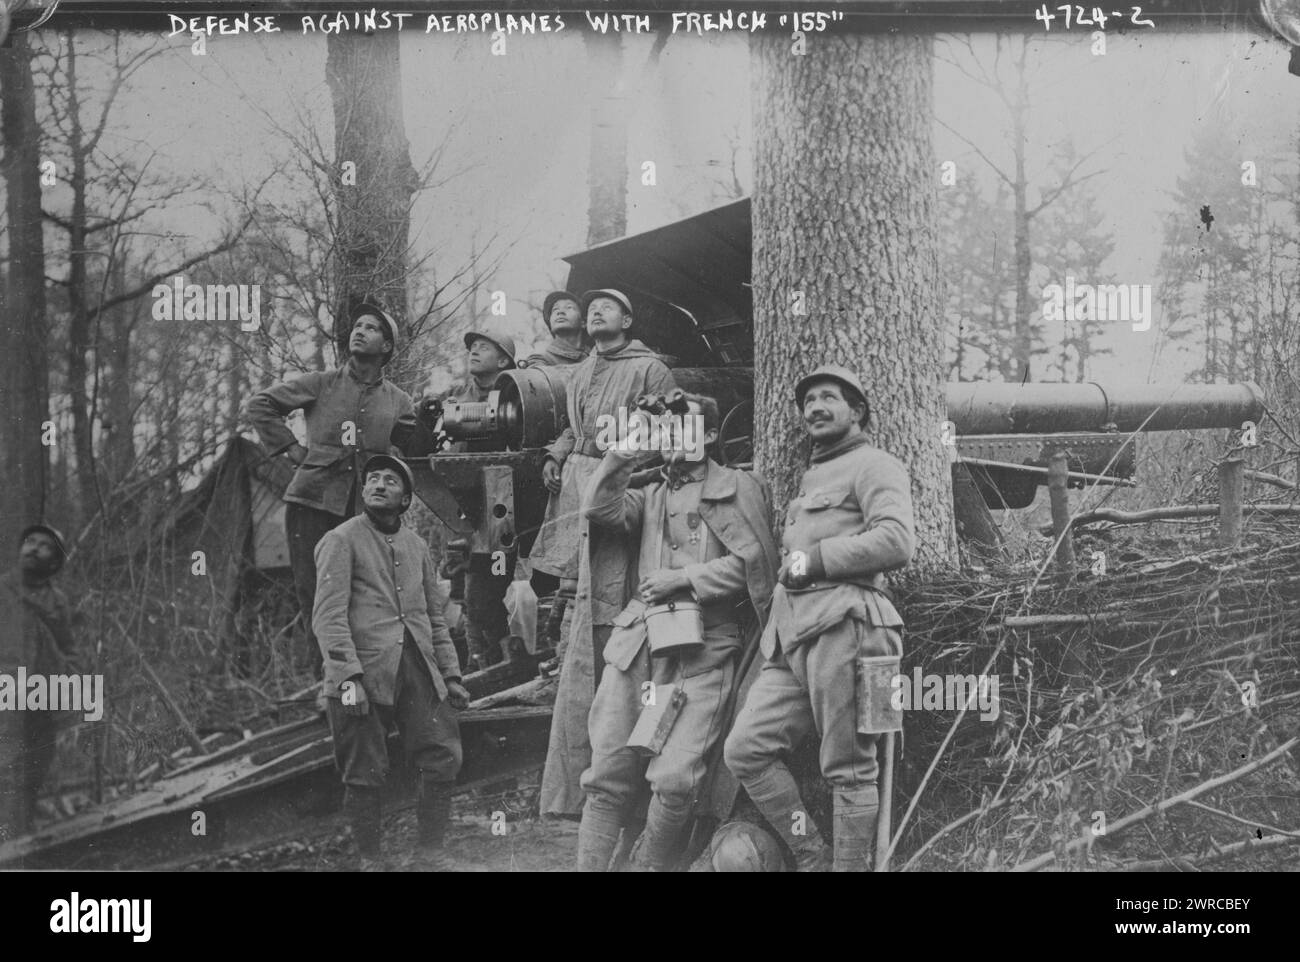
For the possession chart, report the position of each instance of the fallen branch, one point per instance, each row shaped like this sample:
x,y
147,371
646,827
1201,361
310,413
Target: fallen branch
x,y
1243,711
1258,826
1266,478
978,813
1172,513
1047,858
916,796
187,729
1035,621
951,826
1227,852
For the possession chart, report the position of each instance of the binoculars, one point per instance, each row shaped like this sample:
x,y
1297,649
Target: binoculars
x,y
674,403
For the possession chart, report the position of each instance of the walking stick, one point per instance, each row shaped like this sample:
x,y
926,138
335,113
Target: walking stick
x,y
883,819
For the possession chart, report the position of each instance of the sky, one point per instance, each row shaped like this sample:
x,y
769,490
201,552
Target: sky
x,y
517,135
1138,106
516,129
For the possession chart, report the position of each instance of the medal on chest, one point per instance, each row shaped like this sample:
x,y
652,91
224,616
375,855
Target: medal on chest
x,y
693,522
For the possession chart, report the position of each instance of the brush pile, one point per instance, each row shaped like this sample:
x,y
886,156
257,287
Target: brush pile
x,y
1146,717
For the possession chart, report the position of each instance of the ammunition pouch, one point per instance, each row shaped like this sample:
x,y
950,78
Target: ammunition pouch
x,y
627,637
878,708
656,720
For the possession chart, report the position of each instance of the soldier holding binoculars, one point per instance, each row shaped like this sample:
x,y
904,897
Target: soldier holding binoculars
x,y
704,563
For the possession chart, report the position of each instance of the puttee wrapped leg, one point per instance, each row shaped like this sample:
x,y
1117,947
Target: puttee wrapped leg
x,y
776,794
597,837
854,823
363,808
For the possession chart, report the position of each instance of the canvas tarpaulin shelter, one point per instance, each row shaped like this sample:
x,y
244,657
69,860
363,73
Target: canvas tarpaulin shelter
x,y
689,282
235,518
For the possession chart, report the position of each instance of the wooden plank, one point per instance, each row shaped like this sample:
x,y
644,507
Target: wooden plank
x,y
1057,480
1231,485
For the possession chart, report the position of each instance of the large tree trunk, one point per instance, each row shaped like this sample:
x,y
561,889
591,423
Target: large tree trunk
x,y
79,317
24,387
844,211
23,318
374,216
1022,344
607,168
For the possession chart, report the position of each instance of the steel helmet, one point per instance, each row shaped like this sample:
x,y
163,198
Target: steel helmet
x,y
376,461
834,372
503,341
745,847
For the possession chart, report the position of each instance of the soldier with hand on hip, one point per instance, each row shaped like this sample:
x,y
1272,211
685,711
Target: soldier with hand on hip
x,y
850,522
351,412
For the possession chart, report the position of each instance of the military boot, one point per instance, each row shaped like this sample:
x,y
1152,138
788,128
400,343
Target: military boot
x,y
775,793
554,620
597,838
855,828
433,814
632,829
659,845
363,809
568,592
513,648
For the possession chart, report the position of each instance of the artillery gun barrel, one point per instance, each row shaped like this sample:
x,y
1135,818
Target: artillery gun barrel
x,y
983,408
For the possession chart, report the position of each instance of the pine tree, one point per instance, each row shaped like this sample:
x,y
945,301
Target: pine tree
x,y
1214,272
1071,242
374,215
975,261
845,225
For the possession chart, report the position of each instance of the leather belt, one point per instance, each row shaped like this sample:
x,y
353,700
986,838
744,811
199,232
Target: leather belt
x,y
589,447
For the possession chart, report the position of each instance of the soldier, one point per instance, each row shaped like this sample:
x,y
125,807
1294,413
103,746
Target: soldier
x,y
619,370
702,534
562,312
850,523
487,626
351,412
491,351
46,647
388,659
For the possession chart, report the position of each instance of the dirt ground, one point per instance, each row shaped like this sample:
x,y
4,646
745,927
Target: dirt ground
x,y
494,828
527,845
